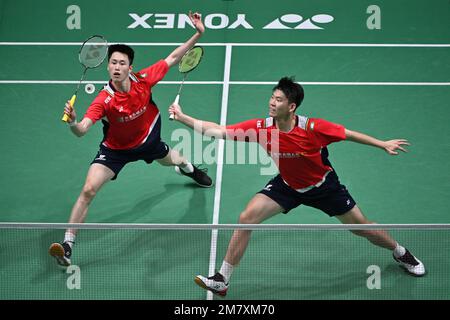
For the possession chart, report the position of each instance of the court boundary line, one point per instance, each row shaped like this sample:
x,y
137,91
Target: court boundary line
x,y
306,83
232,44
219,171
242,44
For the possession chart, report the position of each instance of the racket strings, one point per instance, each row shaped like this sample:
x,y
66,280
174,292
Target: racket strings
x,y
93,52
191,59
189,62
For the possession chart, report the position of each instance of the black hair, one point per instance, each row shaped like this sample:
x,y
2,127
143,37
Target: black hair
x,y
292,90
122,48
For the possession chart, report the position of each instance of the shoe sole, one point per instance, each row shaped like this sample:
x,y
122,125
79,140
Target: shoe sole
x,y
202,185
200,283
177,170
412,273
407,271
56,250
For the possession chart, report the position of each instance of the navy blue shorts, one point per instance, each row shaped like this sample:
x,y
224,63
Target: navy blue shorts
x,y
331,197
117,159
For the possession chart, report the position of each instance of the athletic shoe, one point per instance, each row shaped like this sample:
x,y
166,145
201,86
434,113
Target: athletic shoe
x,y
198,175
411,264
216,284
61,252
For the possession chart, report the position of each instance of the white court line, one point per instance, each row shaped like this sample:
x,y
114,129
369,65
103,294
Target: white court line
x,y
49,82
306,83
360,83
95,82
220,153
246,44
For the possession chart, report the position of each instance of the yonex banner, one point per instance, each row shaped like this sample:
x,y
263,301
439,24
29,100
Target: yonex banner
x,y
383,21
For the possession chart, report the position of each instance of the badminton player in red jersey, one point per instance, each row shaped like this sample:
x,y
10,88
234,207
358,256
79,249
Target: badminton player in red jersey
x,y
298,145
131,126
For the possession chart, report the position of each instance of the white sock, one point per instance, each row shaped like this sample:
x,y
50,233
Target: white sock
x,y
399,251
69,237
188,168
226,270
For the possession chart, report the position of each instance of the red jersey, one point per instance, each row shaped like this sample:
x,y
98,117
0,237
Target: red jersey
x,y
297,153
131,115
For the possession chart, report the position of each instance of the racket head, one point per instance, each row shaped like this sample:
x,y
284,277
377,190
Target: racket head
x,y
93,51
191,59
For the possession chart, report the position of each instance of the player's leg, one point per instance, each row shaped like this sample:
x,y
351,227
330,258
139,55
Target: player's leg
x,y
184,167
334,199
382,239
173,158
97,176
260,208
378,237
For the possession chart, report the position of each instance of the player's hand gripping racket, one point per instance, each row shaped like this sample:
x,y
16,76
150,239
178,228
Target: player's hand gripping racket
x,y
188,62
92,53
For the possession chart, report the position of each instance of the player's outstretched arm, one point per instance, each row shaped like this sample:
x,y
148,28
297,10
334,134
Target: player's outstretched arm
x,y
178,53
206,128
390,146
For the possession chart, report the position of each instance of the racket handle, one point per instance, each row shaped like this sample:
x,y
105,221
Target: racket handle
x,y
65,117
177,99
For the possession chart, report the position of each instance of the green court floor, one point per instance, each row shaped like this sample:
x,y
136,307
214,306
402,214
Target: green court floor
x,y
394,83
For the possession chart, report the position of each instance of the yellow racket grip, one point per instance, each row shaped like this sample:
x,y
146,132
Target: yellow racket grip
x,y
65,117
